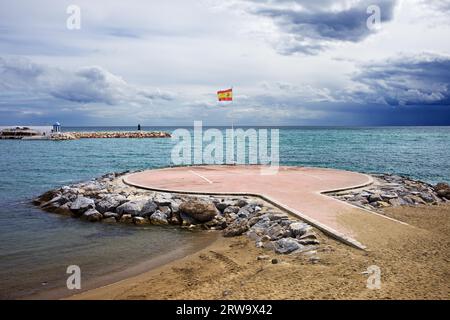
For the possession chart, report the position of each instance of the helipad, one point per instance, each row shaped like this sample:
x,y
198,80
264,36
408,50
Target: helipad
x,y
298,190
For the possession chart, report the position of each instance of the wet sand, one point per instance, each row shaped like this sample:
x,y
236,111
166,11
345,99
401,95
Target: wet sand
x,y
203,240
414,262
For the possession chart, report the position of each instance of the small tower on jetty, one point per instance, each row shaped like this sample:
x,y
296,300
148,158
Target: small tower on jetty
x,y
56,127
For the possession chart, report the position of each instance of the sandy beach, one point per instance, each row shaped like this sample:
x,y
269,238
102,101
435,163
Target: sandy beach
x,y
414,262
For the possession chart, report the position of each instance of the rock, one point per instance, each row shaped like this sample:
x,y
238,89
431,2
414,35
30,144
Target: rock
x,y
389,196
306,242
165,210
442,186
427,197
308,235
252,221
223,205
109,203
274,261
126,218
365,194
263,257
397,202
241,203
81,205
55,202
109,220
163,200
250,208
109,214
64,209
257,208
47,196
236,228
231,209
299,228
139,220
375,197
133,207
416,199
175,207
443,193
380,204
276,232
92,215
199,210
158,218
314,259
148,209
242,213
287,245
175,219
278,216
187,220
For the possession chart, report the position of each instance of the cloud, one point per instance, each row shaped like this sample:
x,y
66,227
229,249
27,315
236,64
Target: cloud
x,y
87,85
406,80
309,27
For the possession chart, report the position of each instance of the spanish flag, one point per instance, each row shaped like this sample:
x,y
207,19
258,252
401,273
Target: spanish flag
x,y
225,95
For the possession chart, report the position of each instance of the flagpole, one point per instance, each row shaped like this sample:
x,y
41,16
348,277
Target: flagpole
x,y
232,122
232,103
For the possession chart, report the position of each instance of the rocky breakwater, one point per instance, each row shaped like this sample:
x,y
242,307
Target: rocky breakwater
x,y
107,199
120,134
393,190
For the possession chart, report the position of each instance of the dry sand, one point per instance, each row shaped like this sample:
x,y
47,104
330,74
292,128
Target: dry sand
x,y
414,262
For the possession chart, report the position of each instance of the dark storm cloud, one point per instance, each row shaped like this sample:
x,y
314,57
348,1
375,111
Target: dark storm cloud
x,y
418,80
311,25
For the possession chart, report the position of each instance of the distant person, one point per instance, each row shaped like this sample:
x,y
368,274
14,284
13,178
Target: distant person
x,y
139,127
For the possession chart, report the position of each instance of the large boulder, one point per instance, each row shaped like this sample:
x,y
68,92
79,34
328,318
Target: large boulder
x,y
201,211
133,207
148,209
81,205
109,203
286,245
236,228
49,195
92,215
442,190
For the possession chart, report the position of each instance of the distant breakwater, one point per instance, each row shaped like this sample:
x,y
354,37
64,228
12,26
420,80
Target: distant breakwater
x,y
110,135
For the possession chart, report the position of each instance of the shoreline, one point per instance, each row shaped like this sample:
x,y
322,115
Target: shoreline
x,y
134,270
149,273
221,271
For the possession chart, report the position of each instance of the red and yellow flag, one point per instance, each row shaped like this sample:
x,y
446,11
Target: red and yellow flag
x,y
225,95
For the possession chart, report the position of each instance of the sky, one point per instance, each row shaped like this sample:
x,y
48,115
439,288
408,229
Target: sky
x,y
289,62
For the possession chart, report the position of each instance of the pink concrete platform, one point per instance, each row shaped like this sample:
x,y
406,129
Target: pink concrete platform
x,y
298,190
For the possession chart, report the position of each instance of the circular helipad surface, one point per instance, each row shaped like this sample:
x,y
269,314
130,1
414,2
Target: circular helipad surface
x,y
298,189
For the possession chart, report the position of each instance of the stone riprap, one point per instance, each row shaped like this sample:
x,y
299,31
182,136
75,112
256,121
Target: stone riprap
x,y
393,190
110,135
107,199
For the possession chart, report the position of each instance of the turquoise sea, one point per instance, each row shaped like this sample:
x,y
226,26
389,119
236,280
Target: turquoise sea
x,y
36,247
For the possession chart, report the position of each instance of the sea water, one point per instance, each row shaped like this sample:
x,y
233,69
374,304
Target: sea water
x,y
36,247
